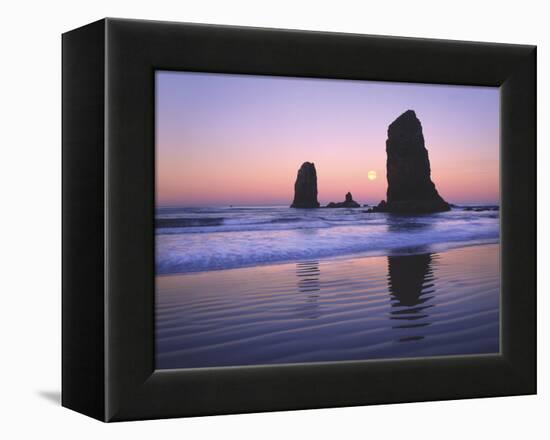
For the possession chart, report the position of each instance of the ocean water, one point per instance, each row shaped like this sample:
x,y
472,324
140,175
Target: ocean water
x,y
203,239
275,285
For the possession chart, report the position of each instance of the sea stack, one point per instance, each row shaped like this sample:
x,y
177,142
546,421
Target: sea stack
x,y
305,188
410,187
348,203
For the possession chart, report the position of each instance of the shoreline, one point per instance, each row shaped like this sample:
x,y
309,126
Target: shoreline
x,y
436,248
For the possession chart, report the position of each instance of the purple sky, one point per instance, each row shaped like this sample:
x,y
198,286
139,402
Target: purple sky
x,y
240,139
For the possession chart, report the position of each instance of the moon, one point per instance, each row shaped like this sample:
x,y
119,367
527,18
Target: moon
x,y
371,175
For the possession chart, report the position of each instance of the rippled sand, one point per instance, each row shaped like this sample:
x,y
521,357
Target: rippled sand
x,y
331,310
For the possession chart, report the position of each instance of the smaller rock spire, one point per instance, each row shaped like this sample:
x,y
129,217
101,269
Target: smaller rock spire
x,y
305,188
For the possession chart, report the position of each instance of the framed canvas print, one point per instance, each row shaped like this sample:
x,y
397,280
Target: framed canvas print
x,y
261,219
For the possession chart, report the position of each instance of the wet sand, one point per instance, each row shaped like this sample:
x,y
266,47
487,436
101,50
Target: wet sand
x,y
359,308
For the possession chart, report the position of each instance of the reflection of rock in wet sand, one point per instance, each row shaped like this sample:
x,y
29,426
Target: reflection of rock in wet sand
x,y
308,284
410,281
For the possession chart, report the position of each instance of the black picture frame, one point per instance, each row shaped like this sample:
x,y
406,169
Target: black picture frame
x,y
108,219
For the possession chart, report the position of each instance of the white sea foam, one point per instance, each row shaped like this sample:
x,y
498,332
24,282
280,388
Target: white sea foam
x,y
201,239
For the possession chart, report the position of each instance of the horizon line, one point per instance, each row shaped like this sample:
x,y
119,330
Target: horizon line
x,y
237,204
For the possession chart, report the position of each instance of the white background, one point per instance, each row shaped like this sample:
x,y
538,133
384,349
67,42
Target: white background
x,y
30,185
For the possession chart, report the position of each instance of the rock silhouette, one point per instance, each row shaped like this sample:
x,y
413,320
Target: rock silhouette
x,y
348,203
305,188
410,188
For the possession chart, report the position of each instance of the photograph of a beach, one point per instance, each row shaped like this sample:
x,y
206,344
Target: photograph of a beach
x,y
304,220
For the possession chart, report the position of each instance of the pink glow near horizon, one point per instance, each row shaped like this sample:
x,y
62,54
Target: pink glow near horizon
x,y
236,139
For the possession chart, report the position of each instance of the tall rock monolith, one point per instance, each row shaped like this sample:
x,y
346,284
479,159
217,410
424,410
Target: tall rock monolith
x,y
410,187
